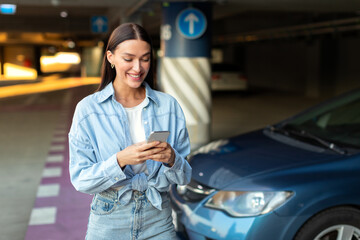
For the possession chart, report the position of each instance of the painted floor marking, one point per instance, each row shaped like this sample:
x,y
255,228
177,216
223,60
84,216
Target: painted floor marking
x,y
60,131
56,158
57,148
59,139
52,172
41,216
60,212
48,190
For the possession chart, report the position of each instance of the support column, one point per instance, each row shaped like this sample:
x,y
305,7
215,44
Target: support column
x,y
184,67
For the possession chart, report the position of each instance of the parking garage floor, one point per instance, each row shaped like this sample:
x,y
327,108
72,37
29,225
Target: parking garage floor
x,y
38,201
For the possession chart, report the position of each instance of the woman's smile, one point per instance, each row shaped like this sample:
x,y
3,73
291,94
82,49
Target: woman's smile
x,y
135,77
132,62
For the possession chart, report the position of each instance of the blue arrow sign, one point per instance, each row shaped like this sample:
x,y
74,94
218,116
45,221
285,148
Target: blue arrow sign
x,y
99,24
191,23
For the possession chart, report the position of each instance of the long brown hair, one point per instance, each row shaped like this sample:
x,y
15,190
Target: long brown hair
x,y
126,31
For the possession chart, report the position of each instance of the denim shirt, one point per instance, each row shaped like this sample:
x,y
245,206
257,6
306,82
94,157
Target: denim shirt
x,y
100,129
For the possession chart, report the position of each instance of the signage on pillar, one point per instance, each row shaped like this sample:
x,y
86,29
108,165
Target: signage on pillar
x,y
191,23
186,29
99,24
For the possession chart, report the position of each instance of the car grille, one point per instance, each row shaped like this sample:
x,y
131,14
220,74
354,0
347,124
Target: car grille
x,y
194,191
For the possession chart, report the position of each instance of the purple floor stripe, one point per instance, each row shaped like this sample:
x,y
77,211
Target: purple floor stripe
x,y
72,207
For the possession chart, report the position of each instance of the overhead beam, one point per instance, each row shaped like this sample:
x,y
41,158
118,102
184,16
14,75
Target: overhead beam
x,y
318,28
130,11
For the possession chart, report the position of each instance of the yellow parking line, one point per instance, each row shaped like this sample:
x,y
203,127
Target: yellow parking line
x,y
46,86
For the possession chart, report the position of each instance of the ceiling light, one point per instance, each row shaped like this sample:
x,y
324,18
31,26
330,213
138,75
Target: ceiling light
x,y
64,14
55,2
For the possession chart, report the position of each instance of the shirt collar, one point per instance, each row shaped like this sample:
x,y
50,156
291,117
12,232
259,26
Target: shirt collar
x,y
108,91
150,93
104,94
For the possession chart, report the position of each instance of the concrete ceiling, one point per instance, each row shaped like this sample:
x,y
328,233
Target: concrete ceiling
x,y
43,16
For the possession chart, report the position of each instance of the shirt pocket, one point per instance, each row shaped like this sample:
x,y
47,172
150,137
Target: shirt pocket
x,y
102,206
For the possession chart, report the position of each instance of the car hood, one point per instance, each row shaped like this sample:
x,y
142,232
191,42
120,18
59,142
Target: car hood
x,y
223,162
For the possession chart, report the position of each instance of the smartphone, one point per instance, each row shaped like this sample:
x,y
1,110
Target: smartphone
x,y
158,136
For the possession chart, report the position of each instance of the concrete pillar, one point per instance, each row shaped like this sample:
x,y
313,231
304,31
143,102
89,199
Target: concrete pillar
x,y
184,65
91,59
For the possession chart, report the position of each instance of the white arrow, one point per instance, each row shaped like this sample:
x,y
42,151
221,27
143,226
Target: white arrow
x,y
191,18
99,23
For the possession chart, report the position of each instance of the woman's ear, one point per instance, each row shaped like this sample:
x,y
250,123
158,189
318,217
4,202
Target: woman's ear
x,y
109,56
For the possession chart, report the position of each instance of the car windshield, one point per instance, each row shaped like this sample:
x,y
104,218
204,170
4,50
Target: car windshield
x,y
337,121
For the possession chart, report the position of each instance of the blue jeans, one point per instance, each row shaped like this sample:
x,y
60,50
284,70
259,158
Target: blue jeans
x,y
109,220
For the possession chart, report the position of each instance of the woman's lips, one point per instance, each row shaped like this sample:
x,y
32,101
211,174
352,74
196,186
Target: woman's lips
x,y
135,76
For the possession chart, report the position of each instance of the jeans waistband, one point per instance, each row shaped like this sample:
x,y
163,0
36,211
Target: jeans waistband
x,y
112,193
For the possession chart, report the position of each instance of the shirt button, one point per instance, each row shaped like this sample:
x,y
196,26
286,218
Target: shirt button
x,y
144,109
145,122
117,179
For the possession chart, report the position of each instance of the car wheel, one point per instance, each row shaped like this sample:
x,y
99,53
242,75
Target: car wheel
x,y
333,224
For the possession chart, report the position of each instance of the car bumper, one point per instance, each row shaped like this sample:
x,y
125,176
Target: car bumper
x,y
201,223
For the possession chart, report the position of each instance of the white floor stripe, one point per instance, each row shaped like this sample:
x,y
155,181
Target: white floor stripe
x,y
48,190
55,158
59,139
52,172
60,147
61,131
41,216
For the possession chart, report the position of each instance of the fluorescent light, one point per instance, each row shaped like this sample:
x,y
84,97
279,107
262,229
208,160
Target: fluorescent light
x,y
7,8
16,72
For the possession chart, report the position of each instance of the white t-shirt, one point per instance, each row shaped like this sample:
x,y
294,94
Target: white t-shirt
x,y
137,131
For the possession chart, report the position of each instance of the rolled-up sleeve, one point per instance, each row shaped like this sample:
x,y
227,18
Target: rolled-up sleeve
x,y
87,173
180,172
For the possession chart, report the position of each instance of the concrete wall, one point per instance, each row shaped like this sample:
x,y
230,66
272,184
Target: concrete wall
x,y
277,65
322,67
348,74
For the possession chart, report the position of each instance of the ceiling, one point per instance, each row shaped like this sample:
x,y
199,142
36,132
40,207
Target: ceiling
x,y
37,21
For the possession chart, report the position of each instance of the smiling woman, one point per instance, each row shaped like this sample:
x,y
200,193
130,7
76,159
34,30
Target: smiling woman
x,y
109,154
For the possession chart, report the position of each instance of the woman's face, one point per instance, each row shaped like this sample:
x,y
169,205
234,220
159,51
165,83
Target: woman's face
x,y
132,62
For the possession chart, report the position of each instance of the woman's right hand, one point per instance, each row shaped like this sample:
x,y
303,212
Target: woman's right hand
x,y
137,153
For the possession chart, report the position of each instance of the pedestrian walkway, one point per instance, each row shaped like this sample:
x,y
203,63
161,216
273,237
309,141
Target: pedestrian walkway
x,y
60,212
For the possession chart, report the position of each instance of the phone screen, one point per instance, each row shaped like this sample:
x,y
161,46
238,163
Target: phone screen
x,y
158,136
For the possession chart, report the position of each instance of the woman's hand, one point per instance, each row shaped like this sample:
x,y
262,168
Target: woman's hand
x,y
166,155
139,153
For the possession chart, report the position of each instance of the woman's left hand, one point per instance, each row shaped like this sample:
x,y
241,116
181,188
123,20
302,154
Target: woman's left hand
x,y
167,155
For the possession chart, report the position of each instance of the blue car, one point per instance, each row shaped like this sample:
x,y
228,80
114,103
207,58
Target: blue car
x,y
298,179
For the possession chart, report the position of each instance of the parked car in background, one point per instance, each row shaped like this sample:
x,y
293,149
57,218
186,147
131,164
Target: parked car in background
x,y
227,77
298,179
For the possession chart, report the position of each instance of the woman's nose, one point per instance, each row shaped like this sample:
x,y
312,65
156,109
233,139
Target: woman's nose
x,y
137,65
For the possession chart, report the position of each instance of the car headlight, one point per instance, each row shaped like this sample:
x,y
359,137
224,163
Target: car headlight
x,y
247,204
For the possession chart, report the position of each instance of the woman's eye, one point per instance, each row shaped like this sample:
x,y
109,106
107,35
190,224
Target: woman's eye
x,y
127,60
146,59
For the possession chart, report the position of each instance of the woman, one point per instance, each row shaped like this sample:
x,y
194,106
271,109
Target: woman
x,y
109,155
